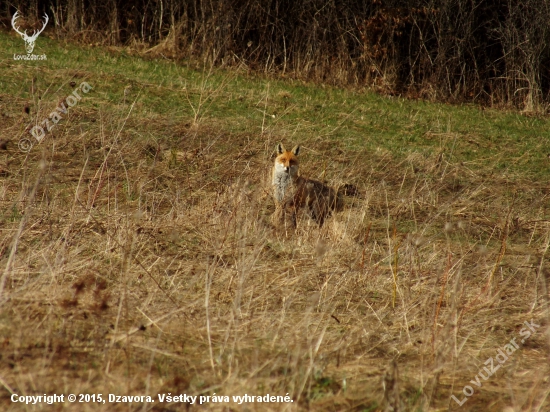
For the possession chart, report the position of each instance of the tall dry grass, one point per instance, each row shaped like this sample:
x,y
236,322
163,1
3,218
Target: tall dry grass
x,y
142,266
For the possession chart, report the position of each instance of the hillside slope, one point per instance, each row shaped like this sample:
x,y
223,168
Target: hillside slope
x,y
138,257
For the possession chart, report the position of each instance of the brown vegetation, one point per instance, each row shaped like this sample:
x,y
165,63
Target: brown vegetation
x,y
489,52
137,255
144,269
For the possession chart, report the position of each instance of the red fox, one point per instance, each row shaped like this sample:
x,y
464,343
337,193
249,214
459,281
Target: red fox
x,y
293,192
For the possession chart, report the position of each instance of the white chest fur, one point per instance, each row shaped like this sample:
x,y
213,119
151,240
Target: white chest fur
x,y
282,180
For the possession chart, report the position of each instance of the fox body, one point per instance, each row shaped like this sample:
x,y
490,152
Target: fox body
x,y
293,192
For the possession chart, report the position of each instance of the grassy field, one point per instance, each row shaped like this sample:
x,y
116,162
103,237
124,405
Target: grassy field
x,y
138,257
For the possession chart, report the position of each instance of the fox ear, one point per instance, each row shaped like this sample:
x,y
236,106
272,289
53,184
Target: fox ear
x,y
296,150
280,148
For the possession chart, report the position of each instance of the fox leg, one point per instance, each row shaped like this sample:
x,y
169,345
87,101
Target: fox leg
x,y
290,216
318,210
277,217
284,216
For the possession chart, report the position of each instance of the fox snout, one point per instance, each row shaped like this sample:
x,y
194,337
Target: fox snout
x,y
285,166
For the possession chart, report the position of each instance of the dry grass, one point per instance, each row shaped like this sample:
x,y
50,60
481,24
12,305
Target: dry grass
x,y
137,266
141,271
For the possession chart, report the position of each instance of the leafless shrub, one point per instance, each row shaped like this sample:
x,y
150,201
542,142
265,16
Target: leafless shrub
x,y
489,52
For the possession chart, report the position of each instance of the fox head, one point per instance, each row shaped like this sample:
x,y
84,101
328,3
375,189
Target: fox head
x,y
287,160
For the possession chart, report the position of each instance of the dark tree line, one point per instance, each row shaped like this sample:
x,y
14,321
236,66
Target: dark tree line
x,y
486,51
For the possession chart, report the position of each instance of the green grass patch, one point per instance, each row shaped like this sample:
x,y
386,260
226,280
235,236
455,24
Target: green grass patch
x,y
356,119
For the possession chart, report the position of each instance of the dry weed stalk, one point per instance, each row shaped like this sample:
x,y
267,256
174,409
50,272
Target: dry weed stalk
x,y
441,295
21,226
395,262
362,265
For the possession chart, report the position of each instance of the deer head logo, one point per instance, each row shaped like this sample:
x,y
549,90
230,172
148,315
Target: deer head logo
x,y
29,40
